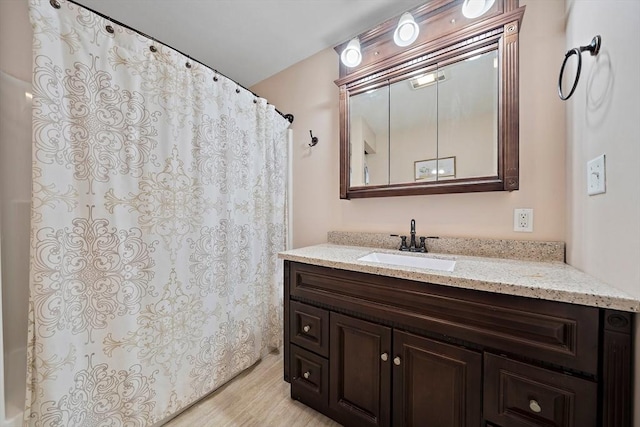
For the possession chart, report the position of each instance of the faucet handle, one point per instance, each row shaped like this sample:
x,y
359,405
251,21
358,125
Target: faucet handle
x,y
423,244
403,243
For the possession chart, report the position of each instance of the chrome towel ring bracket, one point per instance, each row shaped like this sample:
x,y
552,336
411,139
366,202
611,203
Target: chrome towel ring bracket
x,y
593,47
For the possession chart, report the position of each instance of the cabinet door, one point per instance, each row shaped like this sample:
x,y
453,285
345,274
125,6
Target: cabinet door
x,y
360,372
435,384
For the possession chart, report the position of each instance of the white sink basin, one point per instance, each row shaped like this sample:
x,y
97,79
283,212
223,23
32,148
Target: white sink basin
x,y
420,261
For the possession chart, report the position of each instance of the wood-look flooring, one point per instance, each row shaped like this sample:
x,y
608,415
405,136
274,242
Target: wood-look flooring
x,y
258,397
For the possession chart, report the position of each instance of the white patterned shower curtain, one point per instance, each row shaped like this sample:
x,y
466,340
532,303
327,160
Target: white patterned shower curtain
x,y
157,212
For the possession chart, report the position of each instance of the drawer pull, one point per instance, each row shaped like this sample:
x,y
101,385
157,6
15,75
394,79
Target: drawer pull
x,y
384,357
397,361
306,375
306,328
534,406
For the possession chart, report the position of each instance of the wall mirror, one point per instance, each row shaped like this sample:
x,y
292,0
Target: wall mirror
x,y
438,116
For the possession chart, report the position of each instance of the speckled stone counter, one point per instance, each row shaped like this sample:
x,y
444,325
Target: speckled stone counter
x,y
554,281
527,250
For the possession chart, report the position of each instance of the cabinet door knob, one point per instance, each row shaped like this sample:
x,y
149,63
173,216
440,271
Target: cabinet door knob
x,y
534,406
306,328
384,357
396,361
306,375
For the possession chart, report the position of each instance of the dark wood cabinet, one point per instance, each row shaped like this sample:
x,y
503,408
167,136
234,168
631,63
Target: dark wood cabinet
x,y
309,378
360,372
436,382
431,380
520,395
309,327
370,350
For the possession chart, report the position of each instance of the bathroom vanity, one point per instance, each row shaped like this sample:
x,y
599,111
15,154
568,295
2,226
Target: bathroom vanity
x,y
495,342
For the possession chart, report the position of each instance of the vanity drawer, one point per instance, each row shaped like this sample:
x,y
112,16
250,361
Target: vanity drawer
x,y
520,395
309,378
309,327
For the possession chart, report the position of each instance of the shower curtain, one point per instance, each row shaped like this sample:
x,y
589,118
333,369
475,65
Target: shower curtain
x,y
157,212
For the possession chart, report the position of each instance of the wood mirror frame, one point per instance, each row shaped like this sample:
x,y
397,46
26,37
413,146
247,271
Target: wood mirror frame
x,y
444,34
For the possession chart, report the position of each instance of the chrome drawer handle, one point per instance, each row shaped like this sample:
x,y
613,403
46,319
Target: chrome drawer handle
x,y
306,328
534,406
397,361
306,375
384,357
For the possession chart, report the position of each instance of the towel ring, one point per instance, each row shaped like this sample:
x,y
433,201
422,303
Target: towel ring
x,y
593,47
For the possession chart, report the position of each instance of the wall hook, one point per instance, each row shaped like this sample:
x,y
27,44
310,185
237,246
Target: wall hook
x,y
314,140
593,48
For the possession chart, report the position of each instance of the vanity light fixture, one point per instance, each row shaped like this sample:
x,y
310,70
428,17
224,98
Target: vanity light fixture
x,y
351,55
475,8
407,30
427,79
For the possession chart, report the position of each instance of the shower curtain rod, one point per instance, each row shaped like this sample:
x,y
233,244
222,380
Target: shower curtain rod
x,y
288,117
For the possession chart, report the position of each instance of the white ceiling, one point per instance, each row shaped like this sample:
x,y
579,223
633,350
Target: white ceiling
x,y
250,40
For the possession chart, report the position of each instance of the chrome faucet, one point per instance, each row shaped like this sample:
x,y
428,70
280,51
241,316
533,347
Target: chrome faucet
x,y
413,245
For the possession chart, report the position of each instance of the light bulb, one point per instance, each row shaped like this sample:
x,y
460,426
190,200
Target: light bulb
x,y
407,30
475,8
351,55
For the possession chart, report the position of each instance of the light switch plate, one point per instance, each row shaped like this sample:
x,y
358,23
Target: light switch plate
x,y
596,176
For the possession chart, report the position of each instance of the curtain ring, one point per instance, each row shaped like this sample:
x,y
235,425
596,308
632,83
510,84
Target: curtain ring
x,y
55,4
110,29
215,76
153,49
187,64
237,89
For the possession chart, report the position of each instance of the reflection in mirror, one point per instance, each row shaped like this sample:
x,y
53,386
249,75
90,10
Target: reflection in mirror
x,y
413,120
442,124
468,116
369,138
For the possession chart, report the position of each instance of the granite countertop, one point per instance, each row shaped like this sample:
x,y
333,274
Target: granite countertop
x,y
551,280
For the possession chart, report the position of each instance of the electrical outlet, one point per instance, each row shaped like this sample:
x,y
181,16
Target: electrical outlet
x,y
596,176
523,220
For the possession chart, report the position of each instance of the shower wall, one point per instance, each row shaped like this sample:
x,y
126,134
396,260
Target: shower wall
x,y
15,195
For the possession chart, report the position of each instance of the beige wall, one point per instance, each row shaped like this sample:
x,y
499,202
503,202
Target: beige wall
x,y
307,90
603,117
